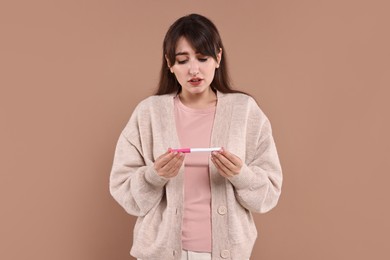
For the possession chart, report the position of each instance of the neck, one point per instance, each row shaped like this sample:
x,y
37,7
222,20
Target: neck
x,y
205,99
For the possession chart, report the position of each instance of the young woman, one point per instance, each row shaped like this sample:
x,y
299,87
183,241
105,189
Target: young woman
x,y
195,205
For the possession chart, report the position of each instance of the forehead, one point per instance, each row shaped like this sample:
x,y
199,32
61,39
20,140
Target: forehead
x,y
183,46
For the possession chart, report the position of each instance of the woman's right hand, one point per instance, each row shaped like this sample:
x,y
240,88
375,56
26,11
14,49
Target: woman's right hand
x,y
168,164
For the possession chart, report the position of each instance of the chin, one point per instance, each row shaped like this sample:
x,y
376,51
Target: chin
x,y
198,91
195,90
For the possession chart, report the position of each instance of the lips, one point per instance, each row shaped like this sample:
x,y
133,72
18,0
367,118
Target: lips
x,y
195,80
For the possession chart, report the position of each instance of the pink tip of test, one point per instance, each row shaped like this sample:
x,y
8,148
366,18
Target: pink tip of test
x,y
190,150
180,150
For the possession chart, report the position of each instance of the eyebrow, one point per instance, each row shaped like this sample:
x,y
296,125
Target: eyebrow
x,y
185,53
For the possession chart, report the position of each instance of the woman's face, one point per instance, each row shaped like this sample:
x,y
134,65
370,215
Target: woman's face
x,y
193,71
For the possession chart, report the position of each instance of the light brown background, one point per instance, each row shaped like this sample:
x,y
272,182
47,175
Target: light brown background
x,y
72,71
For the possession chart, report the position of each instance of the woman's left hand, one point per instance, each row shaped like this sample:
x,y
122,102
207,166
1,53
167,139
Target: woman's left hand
x,y
226,163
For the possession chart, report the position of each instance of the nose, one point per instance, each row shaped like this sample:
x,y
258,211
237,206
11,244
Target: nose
x,y
194,68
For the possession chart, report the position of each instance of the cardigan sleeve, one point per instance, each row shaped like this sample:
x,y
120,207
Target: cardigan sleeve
x,y
258,185
134,183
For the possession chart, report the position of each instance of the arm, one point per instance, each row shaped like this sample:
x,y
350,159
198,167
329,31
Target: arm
x,y
258,184
137,180
134,183
257,181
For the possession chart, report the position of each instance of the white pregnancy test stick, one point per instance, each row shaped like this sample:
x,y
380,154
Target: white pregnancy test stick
x,y
193,150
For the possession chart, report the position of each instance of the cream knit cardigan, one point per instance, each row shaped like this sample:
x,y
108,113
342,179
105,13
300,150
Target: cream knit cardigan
x,y
239,126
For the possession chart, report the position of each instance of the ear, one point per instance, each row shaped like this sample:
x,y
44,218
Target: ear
x,y
219,57
168,64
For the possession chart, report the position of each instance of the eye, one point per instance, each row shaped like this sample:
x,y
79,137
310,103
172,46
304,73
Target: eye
x,y
181,61
202,59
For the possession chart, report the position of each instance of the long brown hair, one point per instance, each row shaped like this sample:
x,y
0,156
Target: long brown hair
x,y
204,37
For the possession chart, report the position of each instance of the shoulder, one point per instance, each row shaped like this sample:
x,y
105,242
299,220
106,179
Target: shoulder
x,y
153,103
247,107
243,100
145,112
239,98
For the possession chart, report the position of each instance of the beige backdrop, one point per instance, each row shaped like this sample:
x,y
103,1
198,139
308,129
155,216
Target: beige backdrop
x,y
72,71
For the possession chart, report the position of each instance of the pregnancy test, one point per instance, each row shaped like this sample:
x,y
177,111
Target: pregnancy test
x,y
193,150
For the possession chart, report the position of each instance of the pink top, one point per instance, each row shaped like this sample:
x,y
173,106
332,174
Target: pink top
x,y
194,128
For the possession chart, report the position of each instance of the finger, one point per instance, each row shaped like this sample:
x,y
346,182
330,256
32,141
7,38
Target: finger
x,y
159,161
163,159
220,167
169,170
176,168
224,161
171,163
234,159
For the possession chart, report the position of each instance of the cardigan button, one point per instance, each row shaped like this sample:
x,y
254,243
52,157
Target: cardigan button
x,y
225,254
222,210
